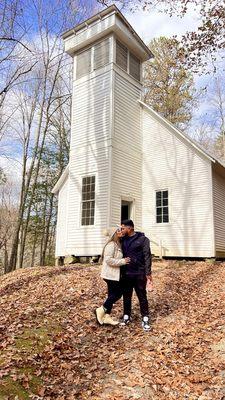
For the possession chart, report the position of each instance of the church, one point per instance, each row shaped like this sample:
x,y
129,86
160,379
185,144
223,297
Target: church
x,y
127,161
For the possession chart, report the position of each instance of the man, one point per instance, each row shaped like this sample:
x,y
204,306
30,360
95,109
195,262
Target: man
x,y
137,274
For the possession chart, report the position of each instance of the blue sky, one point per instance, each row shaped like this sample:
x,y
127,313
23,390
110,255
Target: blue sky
x,y
153,24
148,25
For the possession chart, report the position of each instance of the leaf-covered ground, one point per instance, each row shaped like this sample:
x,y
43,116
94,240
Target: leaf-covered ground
x,y
52,348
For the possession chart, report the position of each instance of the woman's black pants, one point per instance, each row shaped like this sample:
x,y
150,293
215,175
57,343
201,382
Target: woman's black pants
x,y
114,294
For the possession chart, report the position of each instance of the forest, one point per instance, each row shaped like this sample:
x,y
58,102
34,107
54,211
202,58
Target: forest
x,y
35,105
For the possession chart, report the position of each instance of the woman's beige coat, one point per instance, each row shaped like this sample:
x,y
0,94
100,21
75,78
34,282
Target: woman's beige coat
x,y
112,261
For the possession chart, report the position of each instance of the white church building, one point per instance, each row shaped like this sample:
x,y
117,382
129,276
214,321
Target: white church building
x,y
126,161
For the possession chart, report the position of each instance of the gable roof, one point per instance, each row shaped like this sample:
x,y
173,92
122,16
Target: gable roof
x,y
61,180
191,142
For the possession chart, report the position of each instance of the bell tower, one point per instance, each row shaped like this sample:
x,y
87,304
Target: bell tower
x,y
105,164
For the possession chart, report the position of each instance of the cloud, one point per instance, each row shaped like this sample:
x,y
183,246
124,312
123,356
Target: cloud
x,y
154,24
12,168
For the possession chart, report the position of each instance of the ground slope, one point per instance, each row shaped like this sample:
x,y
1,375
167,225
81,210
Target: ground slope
x,y
52,348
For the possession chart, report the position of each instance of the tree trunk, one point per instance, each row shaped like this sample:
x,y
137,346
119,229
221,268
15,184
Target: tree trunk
x,y
46,236
6,260
34,248
43,232
25,188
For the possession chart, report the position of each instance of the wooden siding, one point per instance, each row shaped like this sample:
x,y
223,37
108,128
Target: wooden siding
x,y
88,240
170,163
127,149
219,213
91,110
89,155
127,115
61,230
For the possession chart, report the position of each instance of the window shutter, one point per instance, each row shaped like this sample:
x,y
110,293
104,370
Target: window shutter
x,y
83,63
121,55
101,54
135,67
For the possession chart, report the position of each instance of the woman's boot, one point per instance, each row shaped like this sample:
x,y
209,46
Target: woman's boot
x,y
100,313
109,321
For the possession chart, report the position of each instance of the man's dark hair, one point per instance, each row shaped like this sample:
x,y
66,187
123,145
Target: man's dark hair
x,y
128,222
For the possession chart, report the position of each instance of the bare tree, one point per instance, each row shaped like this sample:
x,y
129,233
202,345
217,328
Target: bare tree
x,y
13,47
7,218
218,103
39,104
37,116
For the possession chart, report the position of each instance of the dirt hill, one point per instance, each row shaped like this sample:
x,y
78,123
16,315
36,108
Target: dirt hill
x,y
52,348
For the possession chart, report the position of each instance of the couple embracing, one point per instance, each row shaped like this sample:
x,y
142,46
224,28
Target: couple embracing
x,y
126,267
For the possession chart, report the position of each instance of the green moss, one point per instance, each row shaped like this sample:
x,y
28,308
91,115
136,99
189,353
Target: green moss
x,y
9,387
12,389
32,339
34,381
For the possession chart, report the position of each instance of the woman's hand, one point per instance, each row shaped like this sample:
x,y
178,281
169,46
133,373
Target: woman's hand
x,y
127,260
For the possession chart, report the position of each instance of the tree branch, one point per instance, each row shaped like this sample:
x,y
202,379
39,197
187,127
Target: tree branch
x,y
16,41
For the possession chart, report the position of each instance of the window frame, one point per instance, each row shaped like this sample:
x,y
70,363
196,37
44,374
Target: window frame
x,y
158,223
87,201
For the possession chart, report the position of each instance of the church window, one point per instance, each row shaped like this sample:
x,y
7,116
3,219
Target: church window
x,y
162,206
88,200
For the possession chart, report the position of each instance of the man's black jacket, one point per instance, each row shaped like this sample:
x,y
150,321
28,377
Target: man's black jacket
x,y
137,247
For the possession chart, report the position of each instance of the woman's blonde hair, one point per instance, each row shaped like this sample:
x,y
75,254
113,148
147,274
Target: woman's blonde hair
x,y
113,238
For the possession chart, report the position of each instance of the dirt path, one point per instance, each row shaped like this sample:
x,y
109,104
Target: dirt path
x,y
51,347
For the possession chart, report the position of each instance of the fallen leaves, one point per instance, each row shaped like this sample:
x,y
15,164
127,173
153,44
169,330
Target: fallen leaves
x,y
52,348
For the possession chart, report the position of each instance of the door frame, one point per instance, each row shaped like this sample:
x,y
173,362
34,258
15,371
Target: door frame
x,y
132,211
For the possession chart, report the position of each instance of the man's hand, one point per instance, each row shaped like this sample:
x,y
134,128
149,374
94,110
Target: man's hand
x,y
149,286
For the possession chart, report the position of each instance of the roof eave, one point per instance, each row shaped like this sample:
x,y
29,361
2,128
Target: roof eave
x,y
110,10
61,180
89,21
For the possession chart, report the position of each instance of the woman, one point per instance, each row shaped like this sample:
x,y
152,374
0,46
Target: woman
x,y
112,257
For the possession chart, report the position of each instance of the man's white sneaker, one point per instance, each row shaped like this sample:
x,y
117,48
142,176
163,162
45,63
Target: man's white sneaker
x,y
146,324
125,320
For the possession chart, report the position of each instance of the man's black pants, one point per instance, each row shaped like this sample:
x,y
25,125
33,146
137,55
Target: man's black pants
x,y
114,294
138,283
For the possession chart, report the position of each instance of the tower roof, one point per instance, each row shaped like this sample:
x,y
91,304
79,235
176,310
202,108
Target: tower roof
x,y
98,26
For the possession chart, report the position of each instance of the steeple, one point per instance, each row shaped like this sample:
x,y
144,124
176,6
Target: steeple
x,y
103,183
